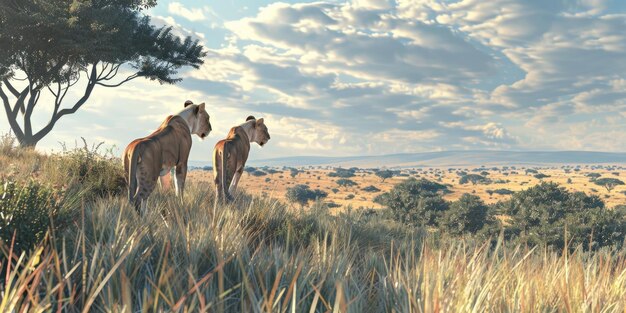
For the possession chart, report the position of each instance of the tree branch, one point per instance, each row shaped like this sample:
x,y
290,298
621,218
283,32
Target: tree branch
x,y
129,78
93,79
19,104
10,116
11,88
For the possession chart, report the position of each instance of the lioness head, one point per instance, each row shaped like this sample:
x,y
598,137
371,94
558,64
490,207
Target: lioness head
x,y
201,125
260,135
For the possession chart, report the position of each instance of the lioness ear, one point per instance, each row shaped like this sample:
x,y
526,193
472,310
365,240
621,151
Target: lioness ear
x,y
201,106
250,118
260,121
188,103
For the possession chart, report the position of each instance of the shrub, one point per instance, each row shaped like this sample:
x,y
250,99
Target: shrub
x,y
258,173
474,179
346,183
541,176
542,214
293,172
370,188
469,214
503,192
302,194
415,202
26,211
88,171
343,173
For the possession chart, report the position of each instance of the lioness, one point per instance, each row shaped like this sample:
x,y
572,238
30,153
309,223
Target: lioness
x,y
230,155
146,159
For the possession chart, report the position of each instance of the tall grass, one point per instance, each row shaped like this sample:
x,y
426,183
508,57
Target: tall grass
x,y
256,255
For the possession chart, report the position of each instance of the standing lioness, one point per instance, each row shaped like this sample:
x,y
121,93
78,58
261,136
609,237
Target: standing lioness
x,y
230,155
146,159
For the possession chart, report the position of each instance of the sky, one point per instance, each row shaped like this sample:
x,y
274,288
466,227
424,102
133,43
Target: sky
x,y
372,77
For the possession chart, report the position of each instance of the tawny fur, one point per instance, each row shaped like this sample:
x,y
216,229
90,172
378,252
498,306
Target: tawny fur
x,y
146,159
230,155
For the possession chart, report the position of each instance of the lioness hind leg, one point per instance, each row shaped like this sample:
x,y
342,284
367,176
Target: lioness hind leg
x,y
145,187
233,185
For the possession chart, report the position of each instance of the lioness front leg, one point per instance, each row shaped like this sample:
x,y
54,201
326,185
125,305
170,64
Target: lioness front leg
x,y
181,175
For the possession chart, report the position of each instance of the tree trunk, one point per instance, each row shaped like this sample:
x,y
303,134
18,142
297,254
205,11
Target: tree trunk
x,y
28,142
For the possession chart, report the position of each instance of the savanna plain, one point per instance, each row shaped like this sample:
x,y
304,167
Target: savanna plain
x,y
479,239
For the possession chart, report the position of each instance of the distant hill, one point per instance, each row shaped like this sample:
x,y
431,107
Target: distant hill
x,y
450,159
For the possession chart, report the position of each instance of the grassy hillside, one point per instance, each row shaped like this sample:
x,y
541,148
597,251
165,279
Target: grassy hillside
x,y
256,255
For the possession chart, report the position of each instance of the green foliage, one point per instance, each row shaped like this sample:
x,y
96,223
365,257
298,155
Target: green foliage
x,y
608,183
343,173
468,215
370,188
302,194
503,191
271,171
415,202
258,173
593,176
58,43
293,172
549,214
344,182
384,174
541,176
474,179
26,210
88,172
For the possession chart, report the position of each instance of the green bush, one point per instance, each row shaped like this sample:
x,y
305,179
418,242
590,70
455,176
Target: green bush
x,y
302,194
370,188
415,202
26,210
549,214
474,179
469,214
87,171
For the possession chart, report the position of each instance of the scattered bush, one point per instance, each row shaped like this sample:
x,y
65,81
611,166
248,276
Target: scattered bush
x,y
370,188
26,210
474,179
346,183
541,176
302,194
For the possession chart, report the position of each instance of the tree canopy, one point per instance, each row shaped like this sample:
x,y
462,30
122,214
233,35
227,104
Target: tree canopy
x,y
51,46
608,183
384,174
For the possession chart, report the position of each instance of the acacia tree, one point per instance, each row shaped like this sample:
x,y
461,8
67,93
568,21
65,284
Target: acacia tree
x,y
384,174
51,46
608,183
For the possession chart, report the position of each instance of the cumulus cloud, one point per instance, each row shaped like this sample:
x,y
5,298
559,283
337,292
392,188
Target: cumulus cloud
x,y
191,14
379,76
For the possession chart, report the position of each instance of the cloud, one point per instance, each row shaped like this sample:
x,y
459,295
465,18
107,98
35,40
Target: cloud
x,y
377,76
193,14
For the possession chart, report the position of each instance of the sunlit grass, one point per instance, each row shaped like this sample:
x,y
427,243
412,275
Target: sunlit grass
x,y
258,255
